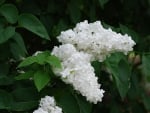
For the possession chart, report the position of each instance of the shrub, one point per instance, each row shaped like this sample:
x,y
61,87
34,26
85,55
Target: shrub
x,y
26,76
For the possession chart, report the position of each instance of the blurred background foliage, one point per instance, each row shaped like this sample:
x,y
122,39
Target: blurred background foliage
x,y
27,26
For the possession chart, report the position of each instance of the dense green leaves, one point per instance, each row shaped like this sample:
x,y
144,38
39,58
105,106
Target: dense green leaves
x,y
6,33
40,76
22,94
10,12
31,23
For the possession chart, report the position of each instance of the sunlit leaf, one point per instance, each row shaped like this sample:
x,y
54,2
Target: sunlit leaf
x,y
41,79
53,61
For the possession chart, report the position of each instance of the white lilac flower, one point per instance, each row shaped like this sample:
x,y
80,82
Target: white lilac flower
x,y
64,51
80,46
40,110
46,102
94,39
48,105
77,71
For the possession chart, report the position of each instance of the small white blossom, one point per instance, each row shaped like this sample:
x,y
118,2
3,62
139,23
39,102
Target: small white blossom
x,y
48,105
46,102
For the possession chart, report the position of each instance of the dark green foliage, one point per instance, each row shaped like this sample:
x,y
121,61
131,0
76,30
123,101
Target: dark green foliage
x,y
121,72
31,23
10,12
27,26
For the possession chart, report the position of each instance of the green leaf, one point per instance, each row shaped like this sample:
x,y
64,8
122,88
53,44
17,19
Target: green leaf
x,y
67,99
146,64
17,47
103,2
135,89
123,78
31,23
19,40
53,61
28,61
6,34
10,12
121,72
25,75
41,79
97,67
40,58
85,106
